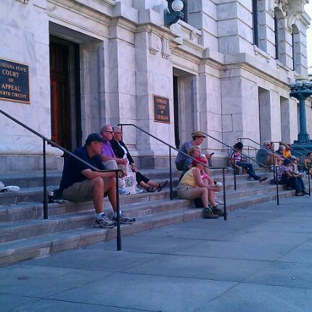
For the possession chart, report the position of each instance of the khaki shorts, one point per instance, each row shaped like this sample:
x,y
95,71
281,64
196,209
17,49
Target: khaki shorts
x,y
78,192
185,191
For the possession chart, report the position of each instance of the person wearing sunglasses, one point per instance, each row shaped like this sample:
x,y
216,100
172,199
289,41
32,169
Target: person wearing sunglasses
x,y
109,159
120,150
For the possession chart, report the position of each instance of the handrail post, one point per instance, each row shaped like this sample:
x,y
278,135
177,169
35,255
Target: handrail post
x,y
45,197
118,239
170,168
277,185
224,194
235,188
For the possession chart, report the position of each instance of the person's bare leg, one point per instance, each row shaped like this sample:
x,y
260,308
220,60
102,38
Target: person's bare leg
x,y
211,198
98,194
110,188
201,192
153,184
143,184
211,194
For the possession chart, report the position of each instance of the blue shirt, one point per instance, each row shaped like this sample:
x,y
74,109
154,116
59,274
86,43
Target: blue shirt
x,y
72,171
262,156
184,148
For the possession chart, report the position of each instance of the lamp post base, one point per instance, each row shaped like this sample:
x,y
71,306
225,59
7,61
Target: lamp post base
x,y
301,149
303,138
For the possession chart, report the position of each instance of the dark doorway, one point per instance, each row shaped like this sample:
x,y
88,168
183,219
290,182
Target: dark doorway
x,y
65,99
176,112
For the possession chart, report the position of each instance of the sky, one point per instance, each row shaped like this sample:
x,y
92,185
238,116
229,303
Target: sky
x,y
308,8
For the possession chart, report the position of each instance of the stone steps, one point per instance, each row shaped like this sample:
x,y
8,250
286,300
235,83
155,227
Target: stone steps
x,y
25,210
41,246
24,234
32,191
10,231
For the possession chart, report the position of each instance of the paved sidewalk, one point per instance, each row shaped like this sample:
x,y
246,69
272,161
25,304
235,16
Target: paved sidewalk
x,y
258,260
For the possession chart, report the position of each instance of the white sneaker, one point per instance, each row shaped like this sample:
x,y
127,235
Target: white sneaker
x,y
218,201
123,191
123,219
104,222
138,190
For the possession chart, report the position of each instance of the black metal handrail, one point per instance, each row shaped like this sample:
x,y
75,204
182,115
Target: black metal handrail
x,y
274,167
261,146
297,152
187,155
243,154
300,163
249,148
275,178
45,197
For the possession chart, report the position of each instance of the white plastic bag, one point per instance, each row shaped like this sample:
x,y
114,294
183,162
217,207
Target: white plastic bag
x,y
129,182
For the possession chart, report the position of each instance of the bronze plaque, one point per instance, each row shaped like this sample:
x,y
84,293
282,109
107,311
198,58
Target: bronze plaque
x,y
14,81
161,109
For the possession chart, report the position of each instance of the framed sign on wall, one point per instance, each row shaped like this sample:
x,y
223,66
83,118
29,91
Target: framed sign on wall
x,y
161,109
14,81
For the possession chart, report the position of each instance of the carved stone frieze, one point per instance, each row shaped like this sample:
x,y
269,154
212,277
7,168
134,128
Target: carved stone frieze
x,y
290,9
165,51
282,5
158,43
154,43
296,9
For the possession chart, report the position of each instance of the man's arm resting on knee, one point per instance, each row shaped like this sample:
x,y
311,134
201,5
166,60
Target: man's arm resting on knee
x,y
89,174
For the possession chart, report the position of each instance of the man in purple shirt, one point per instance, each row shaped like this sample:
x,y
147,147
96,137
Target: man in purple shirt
x,y
108,157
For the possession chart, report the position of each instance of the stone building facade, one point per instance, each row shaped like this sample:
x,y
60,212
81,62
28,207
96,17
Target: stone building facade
x,y
224,69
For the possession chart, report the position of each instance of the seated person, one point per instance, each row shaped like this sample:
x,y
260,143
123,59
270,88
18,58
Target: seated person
x,y
266,157
280,150
193,185
197,140
308,163
121,151
195,152
109,159
80,183
290,179
294,166
235,159
286,151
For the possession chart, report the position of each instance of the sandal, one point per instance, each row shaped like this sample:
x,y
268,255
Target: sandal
x,y
151,189
161,185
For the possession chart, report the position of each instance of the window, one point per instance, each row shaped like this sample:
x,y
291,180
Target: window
x,y
295,40
255,22
276,36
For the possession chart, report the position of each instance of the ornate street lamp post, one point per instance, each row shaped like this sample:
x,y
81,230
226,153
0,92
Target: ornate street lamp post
x,y
301,90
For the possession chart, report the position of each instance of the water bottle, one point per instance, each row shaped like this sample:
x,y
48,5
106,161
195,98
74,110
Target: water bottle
x,y
50,194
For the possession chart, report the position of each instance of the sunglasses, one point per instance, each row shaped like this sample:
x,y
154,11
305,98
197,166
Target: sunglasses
x,y
111,132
